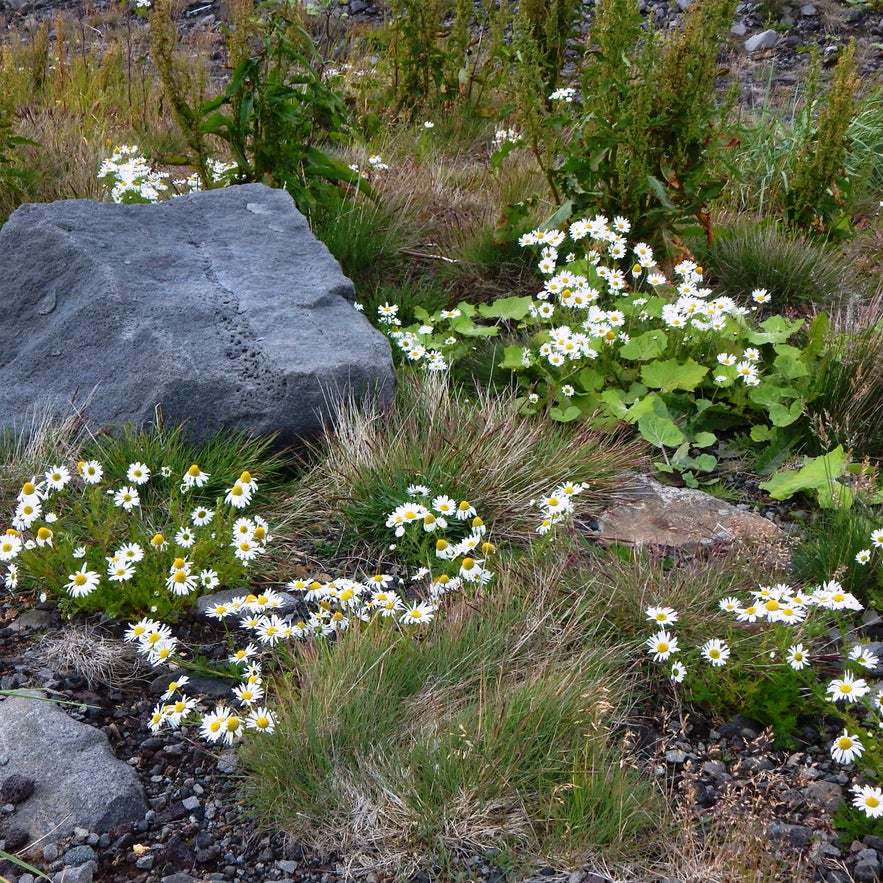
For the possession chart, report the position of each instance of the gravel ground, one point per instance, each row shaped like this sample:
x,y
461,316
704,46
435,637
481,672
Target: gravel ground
x,y
728,776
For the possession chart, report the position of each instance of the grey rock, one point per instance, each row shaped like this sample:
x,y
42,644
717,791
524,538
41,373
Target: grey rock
x,y
203,602
866,872
739,29
220,307
190,803
78,780
79,874
826,794
79,855
808,10
16,788
33,619
764,40
652,514
796,835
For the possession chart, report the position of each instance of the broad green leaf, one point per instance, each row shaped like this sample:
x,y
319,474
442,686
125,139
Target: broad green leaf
x,y
704,439
513,357
816,474
506,308
672,374
613,402
776,329
765,394
660,431
705,462
761,433
782,416
590,380
790,366
567,415
645,346
650,404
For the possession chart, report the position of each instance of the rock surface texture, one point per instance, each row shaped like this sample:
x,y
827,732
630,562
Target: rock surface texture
x,y
220,307
651,514
62,774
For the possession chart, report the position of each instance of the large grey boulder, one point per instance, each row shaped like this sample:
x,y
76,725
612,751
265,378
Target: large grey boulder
x,y
78,782
220,307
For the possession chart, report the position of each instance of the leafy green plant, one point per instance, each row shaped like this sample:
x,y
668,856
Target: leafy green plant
x,y
644,137
274,113
126,538
668,358
818,477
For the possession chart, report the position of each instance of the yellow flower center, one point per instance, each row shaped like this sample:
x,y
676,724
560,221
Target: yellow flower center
x,y
844,743
662,647
194,471
214,726
245,478
772,605
872,802
28,488
236,490
80,579
441,545
158,540
261,723
464,505
468,564
259,532
178,563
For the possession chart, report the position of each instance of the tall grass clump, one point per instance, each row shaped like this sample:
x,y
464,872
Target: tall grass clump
x,y
498,730
795,270
478,447
845,407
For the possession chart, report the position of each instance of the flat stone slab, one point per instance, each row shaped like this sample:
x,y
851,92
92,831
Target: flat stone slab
x,y
78,781
648,513
220,307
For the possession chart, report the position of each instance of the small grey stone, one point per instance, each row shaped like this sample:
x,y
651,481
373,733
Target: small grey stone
x,y
867,855
144,862
287,867
873,842
576,877
51,852
866,872
764,40
15,838
675,756
79,874
16,788
739,29
79,855
828,795
797,835
177,878
714,768
807,10
190,803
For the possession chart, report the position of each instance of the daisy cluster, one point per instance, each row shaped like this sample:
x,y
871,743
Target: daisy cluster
x,y
853,696
413,343
558,506
132,179
589,297
227,721
51,539
449,535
